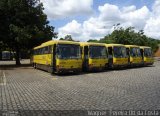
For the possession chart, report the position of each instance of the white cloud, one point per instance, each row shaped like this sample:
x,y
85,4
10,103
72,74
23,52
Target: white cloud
x,y
109,12
156,7
136,18
129,9
72,28
63,8
101,25
152,27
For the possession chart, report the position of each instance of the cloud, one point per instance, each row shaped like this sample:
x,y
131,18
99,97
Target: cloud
x,y
72,28
109,15
109,12
152,26
136,18
156,7
56,9
129,9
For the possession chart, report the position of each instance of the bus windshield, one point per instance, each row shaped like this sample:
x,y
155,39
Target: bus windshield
x,y
68,51
97,52
120,52
135,52
147,52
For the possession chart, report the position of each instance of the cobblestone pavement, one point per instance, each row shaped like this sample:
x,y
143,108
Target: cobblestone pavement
x,y
25,88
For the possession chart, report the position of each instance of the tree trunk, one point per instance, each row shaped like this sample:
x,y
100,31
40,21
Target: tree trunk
x,y
17,56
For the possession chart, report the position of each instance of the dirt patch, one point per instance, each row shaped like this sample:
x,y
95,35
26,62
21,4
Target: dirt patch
x,y
157,54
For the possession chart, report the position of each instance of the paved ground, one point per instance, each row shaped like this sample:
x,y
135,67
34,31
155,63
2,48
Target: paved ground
x,y
25,88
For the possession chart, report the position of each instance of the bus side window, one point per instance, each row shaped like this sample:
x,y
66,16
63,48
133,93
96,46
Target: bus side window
x,y
86,52
49,49
110,53
41,51
34,52
37,51
46,50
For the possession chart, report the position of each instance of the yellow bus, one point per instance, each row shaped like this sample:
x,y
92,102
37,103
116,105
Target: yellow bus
x,y
147,55
94,56
58,56
135,56
117,55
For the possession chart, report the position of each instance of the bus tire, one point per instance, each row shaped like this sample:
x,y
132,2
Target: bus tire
x,y
50,70
111,66
35,65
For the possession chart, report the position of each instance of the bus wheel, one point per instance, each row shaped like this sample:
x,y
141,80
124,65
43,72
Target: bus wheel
x,y
35,65
50,70
111,66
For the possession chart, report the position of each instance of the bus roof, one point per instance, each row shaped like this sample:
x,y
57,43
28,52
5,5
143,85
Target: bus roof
x,y
51,42
92,43
144,47
131,46
114,45
37,47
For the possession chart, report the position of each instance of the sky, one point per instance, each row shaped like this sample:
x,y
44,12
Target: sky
x,y
93,19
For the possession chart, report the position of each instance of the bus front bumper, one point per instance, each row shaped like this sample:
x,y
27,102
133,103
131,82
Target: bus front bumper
x,y
120,65
96,68
65,70
136,64
148,63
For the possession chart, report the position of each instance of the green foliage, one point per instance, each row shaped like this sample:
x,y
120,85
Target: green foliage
x,y
23,24
130,36
67,38
93,40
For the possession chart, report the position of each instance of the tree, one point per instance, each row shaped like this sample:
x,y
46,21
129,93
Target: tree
x,y
23,25
61,38
128,35
68,38
92,40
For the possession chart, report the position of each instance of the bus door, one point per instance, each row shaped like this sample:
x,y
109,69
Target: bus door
x,y
142,54
86,60
128,54
54,57
110,56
